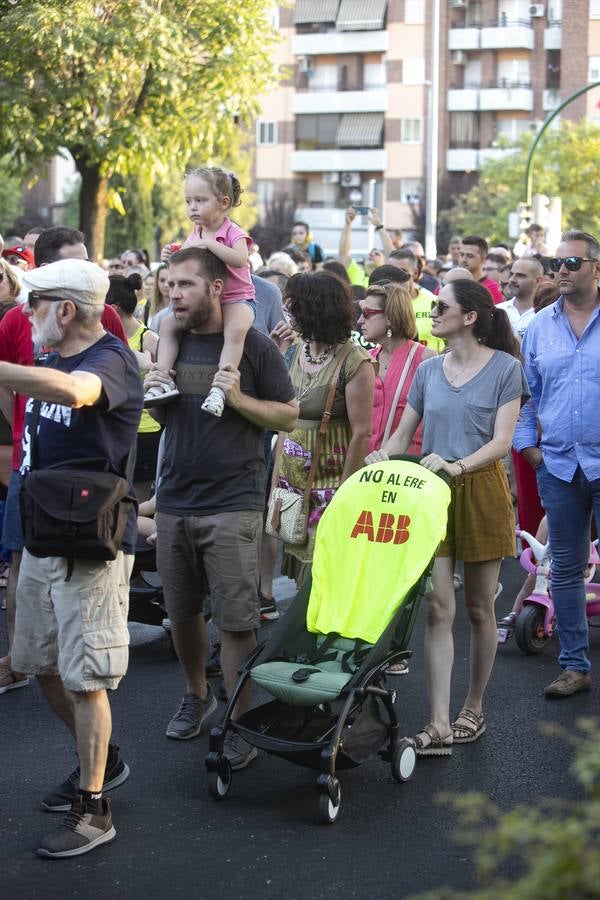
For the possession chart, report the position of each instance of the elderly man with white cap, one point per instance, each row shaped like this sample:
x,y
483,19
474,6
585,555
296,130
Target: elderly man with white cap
x,y
71,619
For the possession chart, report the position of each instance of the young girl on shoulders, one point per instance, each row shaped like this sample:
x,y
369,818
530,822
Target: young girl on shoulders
x,y
209,194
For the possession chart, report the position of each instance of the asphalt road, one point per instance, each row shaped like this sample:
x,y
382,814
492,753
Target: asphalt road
x,y
390,841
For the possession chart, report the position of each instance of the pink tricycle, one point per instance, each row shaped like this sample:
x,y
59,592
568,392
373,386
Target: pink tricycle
x,y
533,625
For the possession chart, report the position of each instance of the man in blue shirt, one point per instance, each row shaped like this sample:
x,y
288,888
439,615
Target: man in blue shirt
x,y
561,351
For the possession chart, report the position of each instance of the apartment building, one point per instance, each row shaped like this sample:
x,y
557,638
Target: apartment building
x,y
349,122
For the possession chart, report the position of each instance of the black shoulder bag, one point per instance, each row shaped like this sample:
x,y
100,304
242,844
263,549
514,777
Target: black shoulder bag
x,y
77,509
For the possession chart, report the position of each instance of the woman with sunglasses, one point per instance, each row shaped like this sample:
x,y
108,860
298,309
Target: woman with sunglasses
x,y
387,319
469,401
319,309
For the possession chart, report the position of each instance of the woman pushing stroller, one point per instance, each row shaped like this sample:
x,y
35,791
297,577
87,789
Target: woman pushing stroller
x,y
468,400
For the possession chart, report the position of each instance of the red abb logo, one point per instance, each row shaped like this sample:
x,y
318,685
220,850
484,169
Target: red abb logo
x,y
390,528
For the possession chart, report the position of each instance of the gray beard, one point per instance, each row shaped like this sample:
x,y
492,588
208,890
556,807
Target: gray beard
x,y
49,333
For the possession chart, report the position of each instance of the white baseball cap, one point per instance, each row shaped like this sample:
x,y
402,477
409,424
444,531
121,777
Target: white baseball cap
x,y
74,279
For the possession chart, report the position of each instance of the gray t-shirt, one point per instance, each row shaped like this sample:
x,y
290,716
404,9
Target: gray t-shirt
x,y
269,307
457,421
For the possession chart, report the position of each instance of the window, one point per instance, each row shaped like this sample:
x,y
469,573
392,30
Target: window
x,y
512,128
374,76
464,130
594,9
413,71
553,70
514,73
265,190
266,133
316,132
594,68
411,131
324,78
410,190
414,12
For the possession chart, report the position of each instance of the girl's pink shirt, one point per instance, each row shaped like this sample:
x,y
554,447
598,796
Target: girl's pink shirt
x,y
239,284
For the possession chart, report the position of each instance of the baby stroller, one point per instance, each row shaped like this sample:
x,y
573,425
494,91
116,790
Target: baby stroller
x,y
324,666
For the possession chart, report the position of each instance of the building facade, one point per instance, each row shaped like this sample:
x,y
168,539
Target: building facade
x,y
348,124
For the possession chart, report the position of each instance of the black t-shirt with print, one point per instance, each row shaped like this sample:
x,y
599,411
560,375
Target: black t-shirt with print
x,y
216,465
106,431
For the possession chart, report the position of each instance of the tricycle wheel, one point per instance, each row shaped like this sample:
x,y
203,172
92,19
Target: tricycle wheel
x,y
530,633
404,759
220,782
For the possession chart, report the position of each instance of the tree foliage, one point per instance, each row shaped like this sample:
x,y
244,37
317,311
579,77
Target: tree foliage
x,y
543,851
566,164
128,86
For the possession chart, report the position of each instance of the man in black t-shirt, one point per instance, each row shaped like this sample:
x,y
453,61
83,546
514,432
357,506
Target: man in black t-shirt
x,y
210,496
71,624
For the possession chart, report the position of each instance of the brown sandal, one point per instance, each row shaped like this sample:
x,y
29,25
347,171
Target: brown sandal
x,y
465,734
438,747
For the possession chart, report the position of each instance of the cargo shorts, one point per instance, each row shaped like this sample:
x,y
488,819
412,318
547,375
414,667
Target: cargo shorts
x,y
76,629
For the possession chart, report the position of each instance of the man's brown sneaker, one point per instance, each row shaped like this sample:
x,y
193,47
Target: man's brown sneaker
x,y
79,832
569,682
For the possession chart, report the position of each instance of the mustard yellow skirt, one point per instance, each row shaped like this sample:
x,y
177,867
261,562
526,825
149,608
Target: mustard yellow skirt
x,y
481,522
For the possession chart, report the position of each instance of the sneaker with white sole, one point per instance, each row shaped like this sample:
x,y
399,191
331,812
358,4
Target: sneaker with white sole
x,y
156,396
115,773
79,832
238,751
268,608
189,718
215,402
9,681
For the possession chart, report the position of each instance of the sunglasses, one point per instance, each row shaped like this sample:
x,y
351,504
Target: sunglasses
x,y
36,297
440,306
366,312
571,263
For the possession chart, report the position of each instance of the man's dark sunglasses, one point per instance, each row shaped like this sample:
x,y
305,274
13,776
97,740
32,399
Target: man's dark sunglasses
x,y
36,297
571,263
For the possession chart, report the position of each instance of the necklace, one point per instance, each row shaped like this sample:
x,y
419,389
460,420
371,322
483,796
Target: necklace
x,y
316,360
454,378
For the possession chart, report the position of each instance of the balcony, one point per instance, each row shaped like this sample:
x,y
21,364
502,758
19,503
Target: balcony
x,y
332,101
338,161
551,99
514,35
340,42
463,99
553,36
510,96
489,97
464,39
466,159
505,34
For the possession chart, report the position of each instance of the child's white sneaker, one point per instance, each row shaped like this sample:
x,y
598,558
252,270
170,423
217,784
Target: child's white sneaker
x,y
161,393
215,402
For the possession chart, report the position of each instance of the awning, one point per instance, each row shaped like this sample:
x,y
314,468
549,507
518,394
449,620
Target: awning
x,y
308,11
358,15
360,130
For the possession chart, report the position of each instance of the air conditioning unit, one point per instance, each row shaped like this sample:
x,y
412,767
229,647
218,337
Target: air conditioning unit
x,y
330,177
305,65
350,179
536,10
460,4
459,57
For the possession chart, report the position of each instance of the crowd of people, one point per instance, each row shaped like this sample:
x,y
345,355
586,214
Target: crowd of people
x,y
204,379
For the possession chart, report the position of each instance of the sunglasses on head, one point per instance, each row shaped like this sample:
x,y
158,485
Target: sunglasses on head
x,y
571,263
36,297
440,306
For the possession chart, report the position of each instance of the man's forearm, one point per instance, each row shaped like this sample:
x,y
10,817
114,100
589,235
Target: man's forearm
x,y
268,413
46,384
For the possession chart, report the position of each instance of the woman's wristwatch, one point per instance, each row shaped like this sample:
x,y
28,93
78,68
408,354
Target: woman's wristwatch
x,y
463,468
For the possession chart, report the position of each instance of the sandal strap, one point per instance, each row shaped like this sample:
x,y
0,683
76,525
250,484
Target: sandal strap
x,y
434,736
470,716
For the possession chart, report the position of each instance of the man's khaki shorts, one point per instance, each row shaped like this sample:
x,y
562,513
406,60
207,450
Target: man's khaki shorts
x,y
76,629
218,553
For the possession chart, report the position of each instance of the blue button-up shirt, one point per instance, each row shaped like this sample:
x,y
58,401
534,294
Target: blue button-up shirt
x,y
563,373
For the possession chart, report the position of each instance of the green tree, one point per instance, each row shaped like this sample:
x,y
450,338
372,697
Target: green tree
x,y
128,86
11,197
566,165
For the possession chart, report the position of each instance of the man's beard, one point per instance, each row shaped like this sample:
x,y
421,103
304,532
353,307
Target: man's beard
x,y
48,333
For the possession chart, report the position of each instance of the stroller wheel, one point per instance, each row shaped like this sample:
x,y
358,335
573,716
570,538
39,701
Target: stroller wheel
x,y
328,808
220,782
404,760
